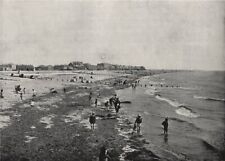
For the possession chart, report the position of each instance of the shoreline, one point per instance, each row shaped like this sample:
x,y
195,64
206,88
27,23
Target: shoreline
x,y
35,132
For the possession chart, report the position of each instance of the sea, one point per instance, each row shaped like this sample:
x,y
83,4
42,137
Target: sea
x,y
193,102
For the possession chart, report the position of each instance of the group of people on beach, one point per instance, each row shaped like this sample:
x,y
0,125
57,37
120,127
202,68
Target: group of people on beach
x,y
113,101
20,91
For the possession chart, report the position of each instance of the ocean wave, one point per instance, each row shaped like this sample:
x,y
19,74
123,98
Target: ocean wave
x,y
209,98
182,109
187,88
151,91
171,102
208,145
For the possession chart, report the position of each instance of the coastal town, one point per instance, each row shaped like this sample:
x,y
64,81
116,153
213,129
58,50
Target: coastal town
x,y
114,80
76,65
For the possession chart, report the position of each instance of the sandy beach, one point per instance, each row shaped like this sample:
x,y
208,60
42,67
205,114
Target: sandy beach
x,y
57,126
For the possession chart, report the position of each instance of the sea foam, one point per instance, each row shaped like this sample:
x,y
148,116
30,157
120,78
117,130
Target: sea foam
x,y
209,98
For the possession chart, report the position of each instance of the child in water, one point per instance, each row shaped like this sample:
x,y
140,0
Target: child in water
x,y
137,123
165,125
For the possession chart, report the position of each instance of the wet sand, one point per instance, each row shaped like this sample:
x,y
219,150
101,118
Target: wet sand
x,y
57,127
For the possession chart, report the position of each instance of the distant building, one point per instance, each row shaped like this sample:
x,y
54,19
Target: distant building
x,y
88,66
77,65
44,67
104,66
7,67
24,67
60,67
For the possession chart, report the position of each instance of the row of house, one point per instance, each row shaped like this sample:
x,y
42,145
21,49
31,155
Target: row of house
x,y
107,66
14,67
76,65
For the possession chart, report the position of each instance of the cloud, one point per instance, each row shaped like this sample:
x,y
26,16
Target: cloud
x,y
156,34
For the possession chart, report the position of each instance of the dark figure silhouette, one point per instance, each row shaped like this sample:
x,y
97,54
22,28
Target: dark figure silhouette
x,y
92,120
96,102
165,125
103,154
138,122
1,95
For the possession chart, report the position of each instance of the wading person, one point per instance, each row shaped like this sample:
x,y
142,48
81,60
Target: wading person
x,y
96,102
103,155
165,125
24,90
138,122
107,105
117,108
92,120
111,101
89,97
1,94
21,95
34,93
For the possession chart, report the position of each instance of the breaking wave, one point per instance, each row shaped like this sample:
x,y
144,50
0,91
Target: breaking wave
x,y
209,98
171,102
185,111
182,109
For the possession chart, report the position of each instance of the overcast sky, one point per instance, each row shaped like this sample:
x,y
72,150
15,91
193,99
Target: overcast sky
x,y
156,34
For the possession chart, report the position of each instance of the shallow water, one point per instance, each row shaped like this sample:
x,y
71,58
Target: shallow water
x,y
196,124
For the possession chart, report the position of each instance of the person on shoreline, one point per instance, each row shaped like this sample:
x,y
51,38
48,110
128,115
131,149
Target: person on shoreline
x,y
90,96
21,95
138,122
1,95
111,101
117,108
165,126
107,105
96,102
103,155
64,90
34,93
32,103
24,90
92,120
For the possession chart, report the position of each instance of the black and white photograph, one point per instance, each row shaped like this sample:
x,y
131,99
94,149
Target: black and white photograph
x,y
112,80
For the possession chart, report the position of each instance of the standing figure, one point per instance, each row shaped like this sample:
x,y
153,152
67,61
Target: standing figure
x,y
117,108
1,95
64,90
138,122
34,93
107,105
96,102
90,96
21,95
103,155
92,120
24,90
111,101
165,125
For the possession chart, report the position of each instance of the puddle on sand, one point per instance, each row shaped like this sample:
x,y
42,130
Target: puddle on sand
x,y
71,117
48,121
4,121
49,101
126,149
42,108
82,94
29,138
5,105
33,127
